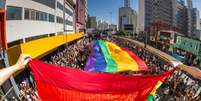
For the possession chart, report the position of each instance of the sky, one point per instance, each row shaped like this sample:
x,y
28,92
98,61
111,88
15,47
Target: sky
x,y
102,8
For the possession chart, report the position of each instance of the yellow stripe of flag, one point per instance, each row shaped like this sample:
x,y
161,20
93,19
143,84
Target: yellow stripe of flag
x,y
122,58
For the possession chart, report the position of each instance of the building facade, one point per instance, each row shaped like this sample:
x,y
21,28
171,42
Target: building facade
x,y
141,15
198,34
103,25
195,19
181,17
31,20
40,17
200,24
92,22
158,11
81,15
127,18
156,15
127,3
189,12
113,27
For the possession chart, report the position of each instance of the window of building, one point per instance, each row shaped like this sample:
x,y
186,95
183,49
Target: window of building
x,y
70,23
14,13
68,12
51,18
49,3
45,17
38,15
26,13
60,6
59,20
33,15
41,16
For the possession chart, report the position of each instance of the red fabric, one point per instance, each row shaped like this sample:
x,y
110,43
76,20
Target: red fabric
x,y
56,83
139,61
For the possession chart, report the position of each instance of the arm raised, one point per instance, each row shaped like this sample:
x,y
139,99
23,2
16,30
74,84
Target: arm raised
x,y
5,73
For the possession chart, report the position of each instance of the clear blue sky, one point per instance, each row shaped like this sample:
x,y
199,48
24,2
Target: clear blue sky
x,y
102,8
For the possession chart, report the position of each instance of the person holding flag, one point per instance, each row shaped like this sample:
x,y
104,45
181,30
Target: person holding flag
x,y
5,73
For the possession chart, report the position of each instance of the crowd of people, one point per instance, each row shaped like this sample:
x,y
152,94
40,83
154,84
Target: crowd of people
x,y
27,93
153,62
73,54
185,57
179,87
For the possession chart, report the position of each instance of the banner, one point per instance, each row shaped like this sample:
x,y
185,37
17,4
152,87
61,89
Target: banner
x,y
187,44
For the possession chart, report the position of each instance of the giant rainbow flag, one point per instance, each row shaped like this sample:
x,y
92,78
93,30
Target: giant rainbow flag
x,y
108,57
55,83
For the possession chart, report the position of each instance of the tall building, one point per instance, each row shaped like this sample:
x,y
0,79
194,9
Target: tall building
x,y
189,4
200,24
156,15
93,22
181,17
197,34
113,27
158,11
126,3
189,11
103,25
141,16
127,18
81,15
86,11
195,19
